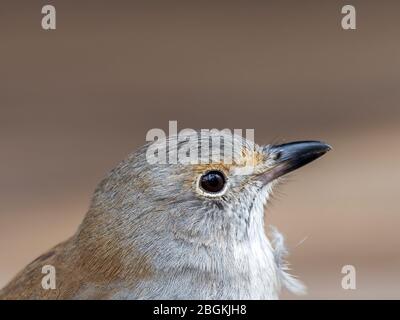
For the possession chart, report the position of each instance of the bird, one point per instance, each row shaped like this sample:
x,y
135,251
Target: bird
x,y
187,230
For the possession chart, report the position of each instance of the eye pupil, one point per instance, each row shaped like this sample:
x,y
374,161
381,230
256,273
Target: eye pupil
x,y
212,181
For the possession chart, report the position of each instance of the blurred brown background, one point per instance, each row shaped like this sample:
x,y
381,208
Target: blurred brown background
x,y
75,101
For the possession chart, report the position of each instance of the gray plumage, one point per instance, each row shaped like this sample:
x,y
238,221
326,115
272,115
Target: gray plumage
x,y
152,233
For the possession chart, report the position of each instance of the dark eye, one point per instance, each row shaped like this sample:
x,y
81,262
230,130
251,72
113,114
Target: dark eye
x,y
212,181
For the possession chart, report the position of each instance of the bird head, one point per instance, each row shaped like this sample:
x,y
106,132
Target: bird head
x,y
201,213
211,196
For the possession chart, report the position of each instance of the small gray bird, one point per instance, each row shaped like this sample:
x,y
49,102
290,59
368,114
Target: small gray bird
x,y
176,231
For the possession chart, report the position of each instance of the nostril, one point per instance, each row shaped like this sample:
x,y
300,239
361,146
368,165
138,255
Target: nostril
x,y
277,155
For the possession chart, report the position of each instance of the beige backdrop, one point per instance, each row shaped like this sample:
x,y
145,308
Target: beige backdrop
x,y
75,101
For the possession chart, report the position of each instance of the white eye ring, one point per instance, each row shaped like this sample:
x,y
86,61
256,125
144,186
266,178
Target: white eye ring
x,y
212,180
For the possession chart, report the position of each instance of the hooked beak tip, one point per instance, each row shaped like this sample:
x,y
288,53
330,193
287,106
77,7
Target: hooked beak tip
x,y
291,156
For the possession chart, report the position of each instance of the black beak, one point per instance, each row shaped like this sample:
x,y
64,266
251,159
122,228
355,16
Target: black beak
x,y
291,156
